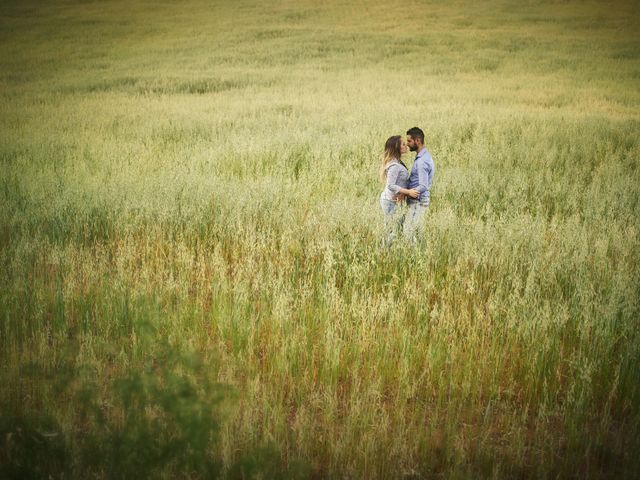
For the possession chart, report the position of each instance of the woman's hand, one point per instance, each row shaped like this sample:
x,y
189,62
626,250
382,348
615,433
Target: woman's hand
x,y
400,197
411,193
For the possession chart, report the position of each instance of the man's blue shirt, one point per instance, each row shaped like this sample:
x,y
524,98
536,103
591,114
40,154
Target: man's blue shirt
x,y
422,174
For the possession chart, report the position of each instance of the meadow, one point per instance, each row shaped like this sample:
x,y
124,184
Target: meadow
x,y
192,283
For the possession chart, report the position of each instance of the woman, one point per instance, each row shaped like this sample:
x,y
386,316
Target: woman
x,y
394,173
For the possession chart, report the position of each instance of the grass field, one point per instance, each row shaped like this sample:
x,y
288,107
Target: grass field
x,y
192,283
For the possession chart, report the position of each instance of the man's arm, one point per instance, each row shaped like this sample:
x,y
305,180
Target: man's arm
x,y
424,173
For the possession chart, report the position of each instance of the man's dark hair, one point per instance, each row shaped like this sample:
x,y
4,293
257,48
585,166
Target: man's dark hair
x,y
416,134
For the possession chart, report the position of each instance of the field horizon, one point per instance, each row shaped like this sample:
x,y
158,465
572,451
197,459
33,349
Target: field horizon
x,y
192,278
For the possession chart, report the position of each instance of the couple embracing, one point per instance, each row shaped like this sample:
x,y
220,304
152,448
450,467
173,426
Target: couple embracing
x,y
401,185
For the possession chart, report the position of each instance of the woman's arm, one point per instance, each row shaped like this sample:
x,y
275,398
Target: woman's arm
x,y
409,192
392,178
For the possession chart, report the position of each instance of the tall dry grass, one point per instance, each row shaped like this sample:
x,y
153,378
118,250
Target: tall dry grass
x,y
192,279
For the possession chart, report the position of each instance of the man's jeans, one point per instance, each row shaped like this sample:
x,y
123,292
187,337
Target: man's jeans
x,y
393,218
414,220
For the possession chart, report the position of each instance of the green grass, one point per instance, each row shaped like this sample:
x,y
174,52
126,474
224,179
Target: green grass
x,y
191,278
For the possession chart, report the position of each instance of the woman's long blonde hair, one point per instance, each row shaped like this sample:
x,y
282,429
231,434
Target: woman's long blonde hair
x,y
391,152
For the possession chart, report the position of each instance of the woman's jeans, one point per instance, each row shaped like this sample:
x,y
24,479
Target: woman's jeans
x,y
393,218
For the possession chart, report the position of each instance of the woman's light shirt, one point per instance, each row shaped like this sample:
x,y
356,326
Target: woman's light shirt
x,y
397,178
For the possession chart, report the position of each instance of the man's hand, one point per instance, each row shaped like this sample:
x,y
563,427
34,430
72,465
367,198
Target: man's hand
x,y
400,197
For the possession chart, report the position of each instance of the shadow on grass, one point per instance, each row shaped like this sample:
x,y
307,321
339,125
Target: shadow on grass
x,y
159,421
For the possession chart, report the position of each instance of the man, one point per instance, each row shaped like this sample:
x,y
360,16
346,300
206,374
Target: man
x,y
420,180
